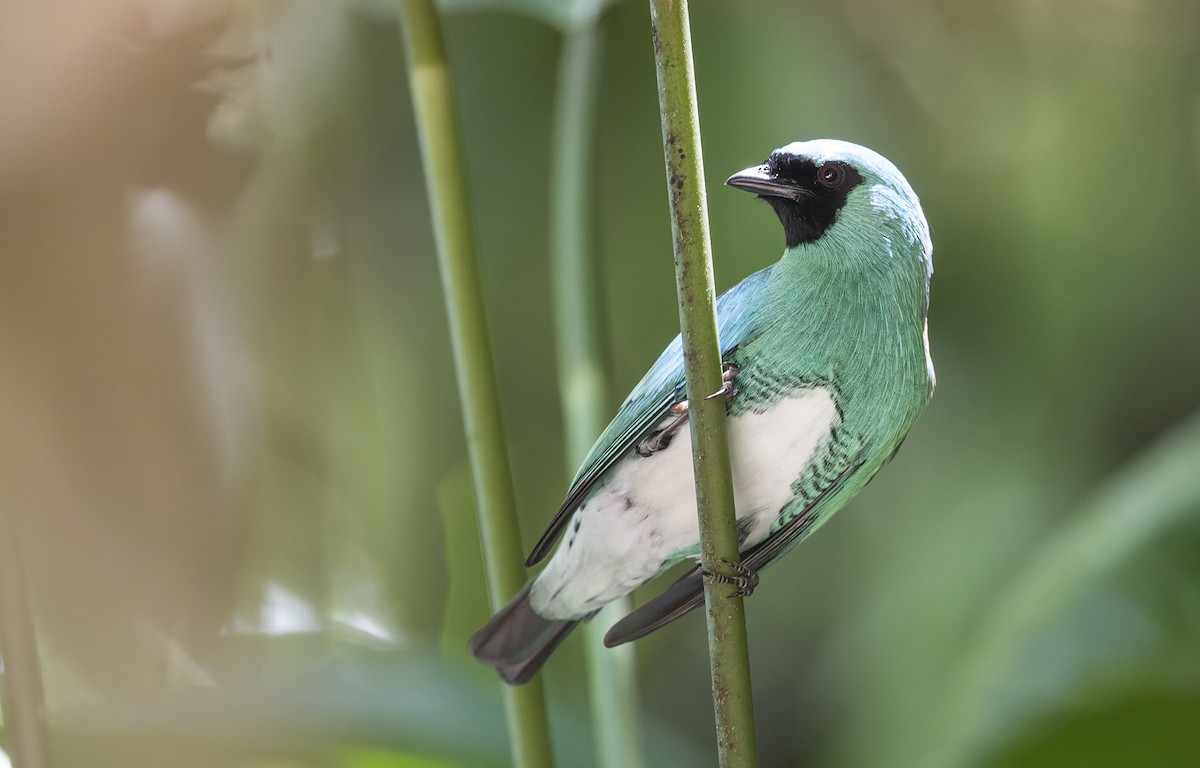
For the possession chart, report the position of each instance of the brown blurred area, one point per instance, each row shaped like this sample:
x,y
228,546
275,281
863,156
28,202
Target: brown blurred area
x,y
123,449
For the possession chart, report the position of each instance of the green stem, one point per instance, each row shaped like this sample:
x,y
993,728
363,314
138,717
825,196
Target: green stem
x,y
445,179
581,369
728,654
21,686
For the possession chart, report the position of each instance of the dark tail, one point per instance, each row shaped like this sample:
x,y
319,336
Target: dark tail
x,y
684,595
517,641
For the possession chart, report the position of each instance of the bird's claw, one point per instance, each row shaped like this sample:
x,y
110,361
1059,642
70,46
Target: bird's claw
x,y
728,390
746,579
662,438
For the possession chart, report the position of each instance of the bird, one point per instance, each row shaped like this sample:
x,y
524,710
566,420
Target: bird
x,y
826,367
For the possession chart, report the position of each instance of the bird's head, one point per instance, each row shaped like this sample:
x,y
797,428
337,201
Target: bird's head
x,y
827,190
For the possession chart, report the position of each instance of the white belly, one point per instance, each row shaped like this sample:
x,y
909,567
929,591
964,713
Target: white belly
x,y
645,515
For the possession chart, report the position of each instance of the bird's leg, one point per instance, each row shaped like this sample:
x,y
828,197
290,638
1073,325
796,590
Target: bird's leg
x,y
745,580
728,389
662,438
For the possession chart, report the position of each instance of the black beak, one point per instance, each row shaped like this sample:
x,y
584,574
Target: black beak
x,y
762,182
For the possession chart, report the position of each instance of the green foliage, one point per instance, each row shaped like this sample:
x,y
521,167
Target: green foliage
x,y
446,185
582,366
561,14
466,592
1098,634
254,397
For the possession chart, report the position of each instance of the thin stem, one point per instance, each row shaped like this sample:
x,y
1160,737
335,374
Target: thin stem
x,y
437,129
23,703
581,377
728,653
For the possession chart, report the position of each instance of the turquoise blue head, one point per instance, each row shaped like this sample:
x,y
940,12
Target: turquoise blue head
x,y
844,199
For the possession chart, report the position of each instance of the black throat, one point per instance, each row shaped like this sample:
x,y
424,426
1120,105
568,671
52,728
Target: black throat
x,y
814,207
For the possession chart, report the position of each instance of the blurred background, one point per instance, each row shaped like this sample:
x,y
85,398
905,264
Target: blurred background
x,y
233,476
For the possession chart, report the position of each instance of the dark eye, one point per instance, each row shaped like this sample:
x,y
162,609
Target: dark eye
x,y
831,175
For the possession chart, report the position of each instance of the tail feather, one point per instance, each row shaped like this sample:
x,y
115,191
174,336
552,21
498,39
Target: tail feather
x,y
686,594
517,641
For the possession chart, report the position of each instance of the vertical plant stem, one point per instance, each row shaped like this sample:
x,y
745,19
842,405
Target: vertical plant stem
x,y
729,658
23,704
445,179
581,369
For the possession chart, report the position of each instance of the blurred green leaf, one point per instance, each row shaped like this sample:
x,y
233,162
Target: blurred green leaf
x,y
1143,728
1104,622
409,702
466,598
363,757
561,14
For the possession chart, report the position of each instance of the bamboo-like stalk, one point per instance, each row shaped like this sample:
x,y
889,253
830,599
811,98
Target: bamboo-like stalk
x,y
445,179
728,653
581,370
21,687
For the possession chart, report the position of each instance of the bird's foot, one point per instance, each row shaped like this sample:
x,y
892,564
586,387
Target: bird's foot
x,y
745,580
728,389
662,438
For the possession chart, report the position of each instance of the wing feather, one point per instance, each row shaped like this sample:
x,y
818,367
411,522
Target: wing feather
x,y
650,401
639,426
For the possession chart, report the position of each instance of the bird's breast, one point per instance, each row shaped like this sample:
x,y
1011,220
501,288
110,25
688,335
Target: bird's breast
x,y
770,447
644,518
